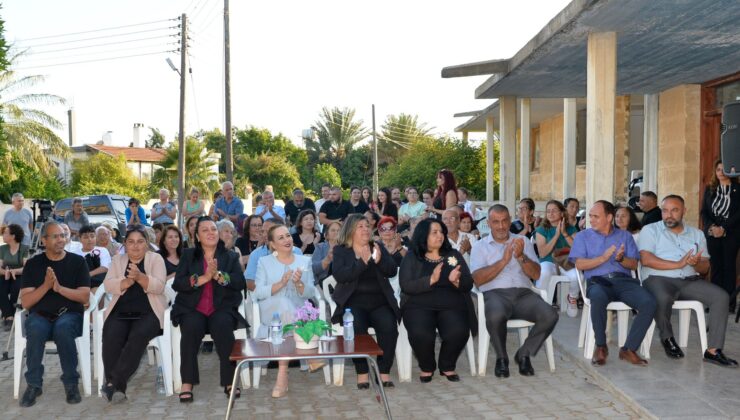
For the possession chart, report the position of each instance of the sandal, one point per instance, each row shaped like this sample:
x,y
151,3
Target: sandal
x,y
237,393
186,396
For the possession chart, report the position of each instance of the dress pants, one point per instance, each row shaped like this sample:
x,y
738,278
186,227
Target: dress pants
x,y
9,295
383,320
422,325
629,291
724,257
668,290
63,332
504,304
193,327
124,342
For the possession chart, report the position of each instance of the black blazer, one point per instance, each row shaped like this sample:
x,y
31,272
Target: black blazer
x,y
732,223
227,298
346,269
412,284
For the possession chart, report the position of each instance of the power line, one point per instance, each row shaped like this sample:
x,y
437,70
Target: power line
x,y
96,60
101,37
198,12
97,30
102,45
138,47
195,100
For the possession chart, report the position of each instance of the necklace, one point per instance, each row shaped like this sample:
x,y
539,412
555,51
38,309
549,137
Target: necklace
x,y
434,261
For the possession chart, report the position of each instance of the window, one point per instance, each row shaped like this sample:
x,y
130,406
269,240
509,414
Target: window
x,y
728,93
581,137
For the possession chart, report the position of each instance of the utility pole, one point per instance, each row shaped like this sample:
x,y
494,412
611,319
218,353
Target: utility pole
x,y
227,96
375,157
181,135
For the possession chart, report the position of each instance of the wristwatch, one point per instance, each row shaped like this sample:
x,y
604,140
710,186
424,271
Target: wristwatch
x,y
522,259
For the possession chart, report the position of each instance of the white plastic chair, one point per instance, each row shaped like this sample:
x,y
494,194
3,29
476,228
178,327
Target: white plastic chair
x,y
522,327
82,342
162,344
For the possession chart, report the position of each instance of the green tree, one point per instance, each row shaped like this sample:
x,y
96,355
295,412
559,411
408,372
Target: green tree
x,y
337,132
199,172
28,131
265,169
324,173
155,140
105,174
356,168
31,183
397,134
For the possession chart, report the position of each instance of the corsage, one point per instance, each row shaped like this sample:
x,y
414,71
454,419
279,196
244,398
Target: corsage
x,y
452,261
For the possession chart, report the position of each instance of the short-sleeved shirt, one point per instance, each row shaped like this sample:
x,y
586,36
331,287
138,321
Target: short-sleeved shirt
x,y
13,261
657,239
251,272
361,207
233,208
549,233
591,244
163,218
487,252
517,226
71,272
76,224
336,211
292,210
412,210
22,218
97,252
267,216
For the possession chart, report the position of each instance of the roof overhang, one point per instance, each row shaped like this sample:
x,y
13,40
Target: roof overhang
x,y
539,110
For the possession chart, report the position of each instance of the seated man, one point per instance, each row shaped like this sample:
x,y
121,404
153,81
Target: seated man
x,y
607,256
98,258
674,257
56,285
502,266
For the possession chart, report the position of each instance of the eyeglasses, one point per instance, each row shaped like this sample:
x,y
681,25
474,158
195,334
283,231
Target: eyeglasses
x,y
135,228
55,236
386,228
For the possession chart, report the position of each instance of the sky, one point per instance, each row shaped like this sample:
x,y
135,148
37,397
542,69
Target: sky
x,y
289,58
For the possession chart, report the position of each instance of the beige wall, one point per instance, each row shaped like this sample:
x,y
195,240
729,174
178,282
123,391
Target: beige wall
x,y
679,122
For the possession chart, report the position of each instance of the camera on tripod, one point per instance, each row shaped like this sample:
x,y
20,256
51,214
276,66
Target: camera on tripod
x,y
42,212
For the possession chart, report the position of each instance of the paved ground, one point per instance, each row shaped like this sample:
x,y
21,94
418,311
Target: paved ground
x,y
569,392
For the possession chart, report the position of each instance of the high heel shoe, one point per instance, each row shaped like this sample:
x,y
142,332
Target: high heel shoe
x,y
281,387
237,392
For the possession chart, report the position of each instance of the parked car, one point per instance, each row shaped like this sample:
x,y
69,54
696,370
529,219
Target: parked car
x,y
99,209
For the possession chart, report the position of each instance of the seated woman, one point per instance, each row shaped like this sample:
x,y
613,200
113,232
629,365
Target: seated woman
x,y
227,234
572,206
284,282
251,239
13,255
435,296
626,219
385,205
363,287
170,248
189,234
135,315
322,255
554,239
209,283
306,237
391,239
373,220
467,225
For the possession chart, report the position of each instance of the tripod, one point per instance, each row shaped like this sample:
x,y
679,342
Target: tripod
x,y
36,236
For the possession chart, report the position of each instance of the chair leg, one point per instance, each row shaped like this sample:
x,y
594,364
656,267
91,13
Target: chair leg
x,y
701,322
338,368
589,340
550,353
622,326
256,374
176,378
484,340
83,356
585,314
684,320
470,350
246,380
18,357
327,374
647,341
165,355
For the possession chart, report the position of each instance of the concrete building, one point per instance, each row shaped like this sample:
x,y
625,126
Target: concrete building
x,y
609,88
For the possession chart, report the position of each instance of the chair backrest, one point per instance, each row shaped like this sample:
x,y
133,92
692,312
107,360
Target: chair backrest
x,y
582,283
256,319
169,292
330,281
396,285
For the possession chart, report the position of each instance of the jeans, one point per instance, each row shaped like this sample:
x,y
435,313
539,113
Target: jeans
x,y
63,332
629,291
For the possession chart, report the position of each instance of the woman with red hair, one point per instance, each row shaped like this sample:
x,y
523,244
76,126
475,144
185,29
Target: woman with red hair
x,y
467,224
445,196
390,238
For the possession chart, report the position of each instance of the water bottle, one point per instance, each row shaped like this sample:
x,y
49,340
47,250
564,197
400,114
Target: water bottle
x,y
276,329
159,383
348,320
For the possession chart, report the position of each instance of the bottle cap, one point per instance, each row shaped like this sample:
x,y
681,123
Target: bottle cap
x,y
347,310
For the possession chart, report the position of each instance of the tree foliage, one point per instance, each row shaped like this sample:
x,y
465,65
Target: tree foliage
x,y
198,169
324,173
33,184
267,169
105,174
337,132
156,139
397,134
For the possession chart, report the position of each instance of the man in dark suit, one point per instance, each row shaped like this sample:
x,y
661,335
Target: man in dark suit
x,y
649,206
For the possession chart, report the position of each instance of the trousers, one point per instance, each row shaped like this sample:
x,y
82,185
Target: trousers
x,y
124,342
629,291
63,332
194,326
422,325
383,320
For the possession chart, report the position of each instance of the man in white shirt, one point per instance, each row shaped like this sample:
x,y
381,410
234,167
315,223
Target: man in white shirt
x,y
98,258
70,245
268,209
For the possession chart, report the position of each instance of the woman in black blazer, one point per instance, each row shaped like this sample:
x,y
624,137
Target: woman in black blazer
x,y
435,295
363,287
720,214
209,284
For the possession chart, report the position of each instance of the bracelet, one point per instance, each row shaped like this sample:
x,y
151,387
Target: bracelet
x,y
194,281
225,278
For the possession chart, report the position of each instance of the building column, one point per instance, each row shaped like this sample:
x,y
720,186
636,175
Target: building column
x,y
650,144
465,137
569,147
507,154
489,159
601,84
526,106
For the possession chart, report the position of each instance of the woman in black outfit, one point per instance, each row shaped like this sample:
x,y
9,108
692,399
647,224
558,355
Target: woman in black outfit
x,y
306,237
720,214
363,286
385,206
435,295
209,282
252,237
170,248
445,196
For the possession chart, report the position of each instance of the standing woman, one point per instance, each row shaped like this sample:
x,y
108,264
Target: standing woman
x,y
306,237
720,215
12,259
209,283
386,207
194,206
284,282
170,248
251,239
363,287
135,315
435,296
445,196
324,252
391,240
189,238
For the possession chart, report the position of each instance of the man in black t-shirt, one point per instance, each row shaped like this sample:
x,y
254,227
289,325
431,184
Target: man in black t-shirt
x,y
649,206
299,203
56,286
336,209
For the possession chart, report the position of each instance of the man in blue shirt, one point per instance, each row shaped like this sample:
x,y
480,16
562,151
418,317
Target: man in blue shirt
x,y
268,209
228,207
674,257
607,256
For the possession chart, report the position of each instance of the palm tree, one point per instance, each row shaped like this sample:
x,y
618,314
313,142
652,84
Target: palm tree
x,y
397,134
337,132
199,171
29,132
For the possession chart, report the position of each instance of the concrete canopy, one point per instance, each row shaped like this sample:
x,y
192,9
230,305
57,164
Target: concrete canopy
x,y
660,44
540,109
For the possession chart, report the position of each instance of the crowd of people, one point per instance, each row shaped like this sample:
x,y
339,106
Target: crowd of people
x,y
283,254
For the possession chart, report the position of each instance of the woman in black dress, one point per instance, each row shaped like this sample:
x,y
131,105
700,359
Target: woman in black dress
x,y
445,196
306,237
170,248
435,296
252,237
386,207
363,287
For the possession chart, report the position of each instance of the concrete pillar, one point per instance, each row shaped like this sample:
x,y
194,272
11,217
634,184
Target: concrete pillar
x,y
650,144
601,84
507,154
569,147
526,106
489,159
465,137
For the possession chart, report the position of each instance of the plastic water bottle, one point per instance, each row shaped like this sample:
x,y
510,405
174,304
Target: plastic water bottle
x,y
348,321
159,383
276,329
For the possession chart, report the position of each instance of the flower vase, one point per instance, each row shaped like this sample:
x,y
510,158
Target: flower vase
x,y
301,344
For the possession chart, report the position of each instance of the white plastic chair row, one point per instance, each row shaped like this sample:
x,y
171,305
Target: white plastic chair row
x,y
82,342
522,327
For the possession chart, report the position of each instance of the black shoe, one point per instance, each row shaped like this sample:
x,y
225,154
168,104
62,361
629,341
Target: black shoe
x,y
719,359
426,379
502,368
207,347
118,397
452,378
107,391
73,394
671,348
525,366
7,324
363,385
388,384
30,395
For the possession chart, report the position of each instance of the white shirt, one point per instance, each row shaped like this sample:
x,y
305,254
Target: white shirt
x,y
657,239
105,259
74,247
460,238
488,252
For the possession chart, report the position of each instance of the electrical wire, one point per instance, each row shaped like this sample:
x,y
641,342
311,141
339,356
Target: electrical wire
x,y
95,60
100,37
96,30
199,11
210,18
195,99
138,47
102,45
